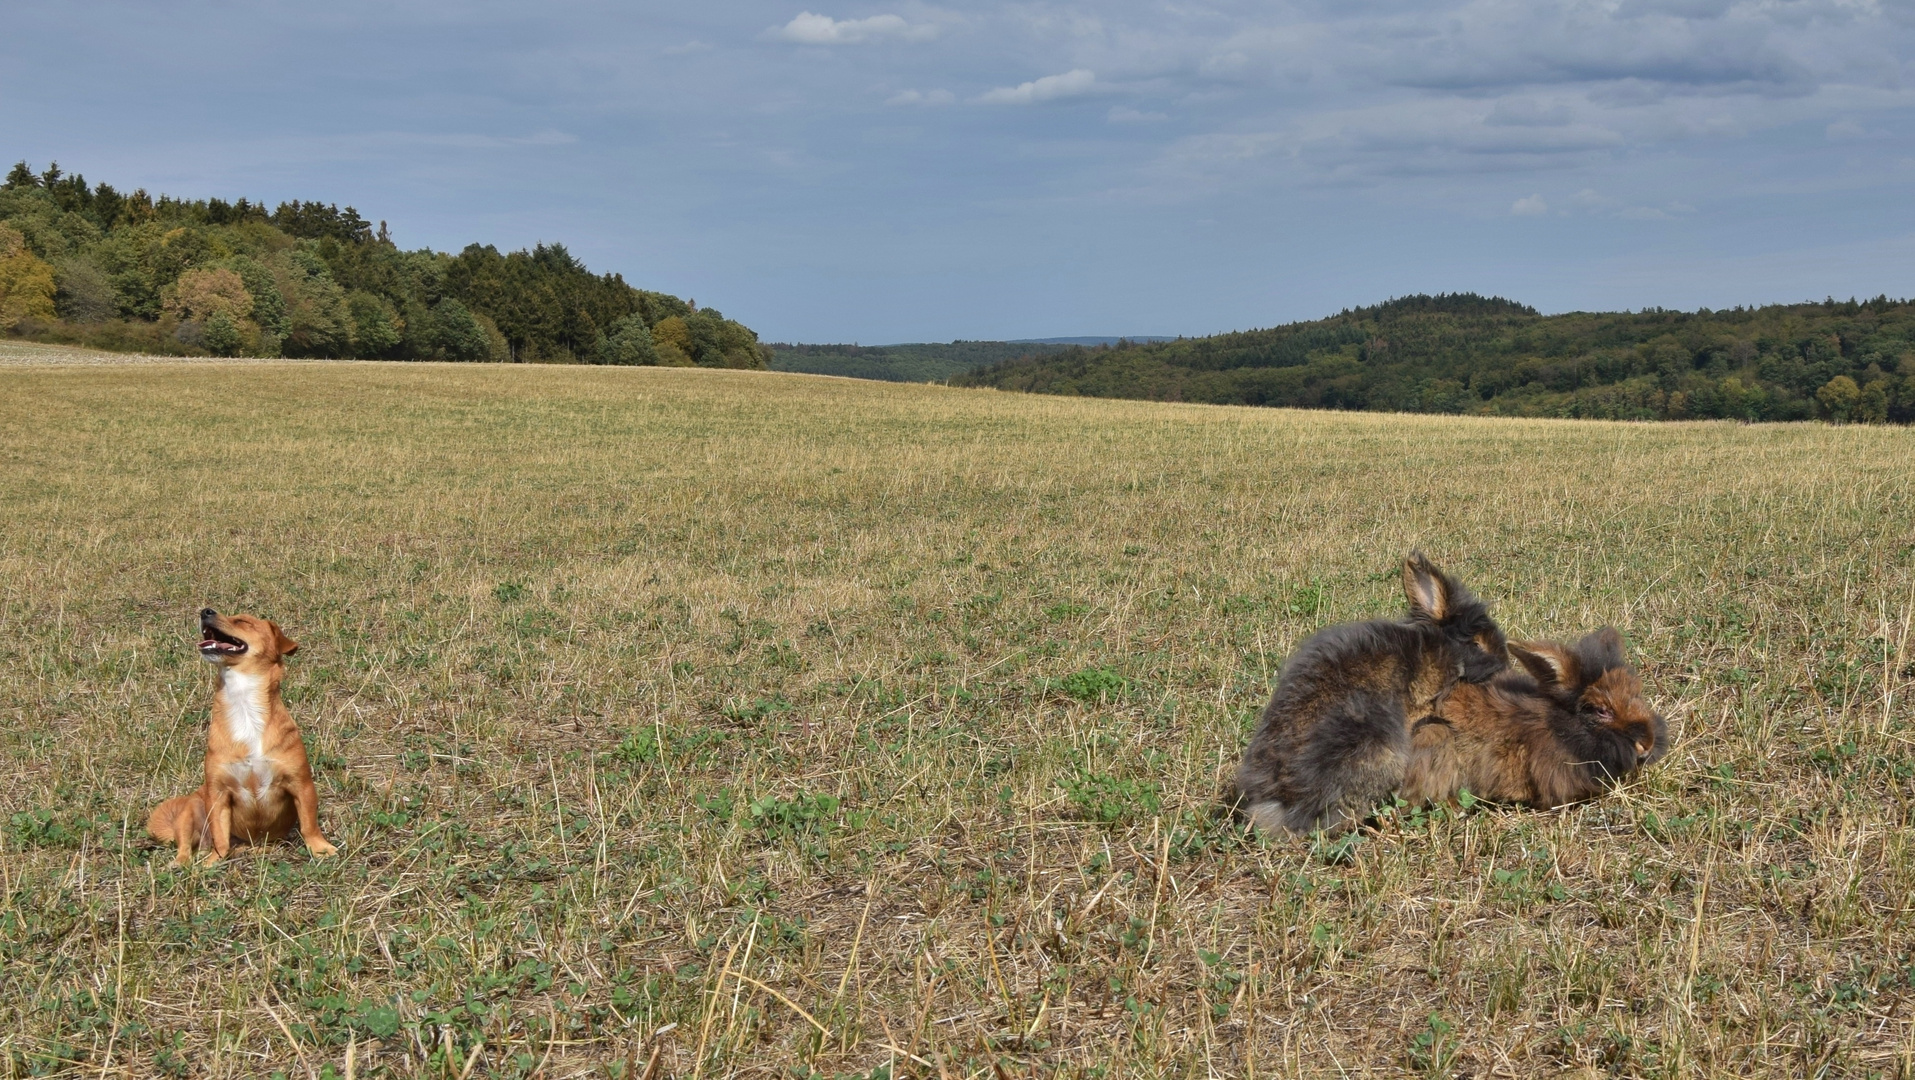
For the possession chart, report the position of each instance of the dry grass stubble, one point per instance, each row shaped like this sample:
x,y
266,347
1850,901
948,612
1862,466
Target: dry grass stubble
x,y
745,724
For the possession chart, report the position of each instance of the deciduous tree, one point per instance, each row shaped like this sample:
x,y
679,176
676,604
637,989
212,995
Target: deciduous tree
x,y
1839,397
673,342
26,282
201,294
630,342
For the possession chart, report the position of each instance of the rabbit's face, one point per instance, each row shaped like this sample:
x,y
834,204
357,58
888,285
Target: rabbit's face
x,y
1480,648
1615,701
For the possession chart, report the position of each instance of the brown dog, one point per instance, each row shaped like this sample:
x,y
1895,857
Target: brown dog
x,y
258,782
1568,730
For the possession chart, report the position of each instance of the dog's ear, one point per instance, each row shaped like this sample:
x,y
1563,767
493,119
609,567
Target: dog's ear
x,y
1548,663
286,646
1426,588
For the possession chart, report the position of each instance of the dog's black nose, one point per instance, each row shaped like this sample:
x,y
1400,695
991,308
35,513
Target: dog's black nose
x,y
208,613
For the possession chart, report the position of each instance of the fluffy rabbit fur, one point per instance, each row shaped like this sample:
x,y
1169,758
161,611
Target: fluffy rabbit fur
x,y
1568,728
1335,739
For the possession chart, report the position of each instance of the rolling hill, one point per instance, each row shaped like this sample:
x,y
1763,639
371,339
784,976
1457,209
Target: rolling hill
x,y
1464,353
920,361
914,362
95,266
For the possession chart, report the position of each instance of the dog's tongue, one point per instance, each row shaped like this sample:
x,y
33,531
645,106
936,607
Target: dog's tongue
x,y
209,643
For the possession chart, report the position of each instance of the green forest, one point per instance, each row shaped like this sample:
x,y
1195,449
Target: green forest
x,y
92,266
124,271
1846,361
917,362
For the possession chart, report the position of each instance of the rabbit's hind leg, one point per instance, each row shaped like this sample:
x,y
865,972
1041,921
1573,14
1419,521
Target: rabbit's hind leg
x,y
1356,759
1271,817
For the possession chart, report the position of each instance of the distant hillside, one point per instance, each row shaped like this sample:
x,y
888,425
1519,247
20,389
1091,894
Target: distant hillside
x,y
1464,353
128,272
1139,338
918,362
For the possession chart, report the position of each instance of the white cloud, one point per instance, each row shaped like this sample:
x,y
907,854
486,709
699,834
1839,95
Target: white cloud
x,y
921,97
1656,213
1529,206
1850,131
1382,91
1589,200
808,28
1073,83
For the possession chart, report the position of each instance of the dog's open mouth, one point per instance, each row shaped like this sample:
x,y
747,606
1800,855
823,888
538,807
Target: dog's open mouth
x,y
214,643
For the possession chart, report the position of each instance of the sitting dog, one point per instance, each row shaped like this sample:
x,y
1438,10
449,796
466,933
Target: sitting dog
x,y
258,782
1567,729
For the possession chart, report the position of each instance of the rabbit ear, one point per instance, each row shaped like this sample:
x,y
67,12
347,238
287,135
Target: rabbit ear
x,y
1547,662
1603,648
1427,590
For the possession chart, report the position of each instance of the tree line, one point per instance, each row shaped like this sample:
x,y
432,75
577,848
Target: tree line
x,y
913,362
91,265
1846,361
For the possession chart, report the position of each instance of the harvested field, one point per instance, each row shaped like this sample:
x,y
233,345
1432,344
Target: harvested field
x,y
36,354
697,723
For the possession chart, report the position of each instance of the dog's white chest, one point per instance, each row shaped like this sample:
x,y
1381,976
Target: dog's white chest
x,y
245,700
253,775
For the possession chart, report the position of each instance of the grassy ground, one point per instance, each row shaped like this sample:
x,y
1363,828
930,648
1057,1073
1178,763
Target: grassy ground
x,y
725,723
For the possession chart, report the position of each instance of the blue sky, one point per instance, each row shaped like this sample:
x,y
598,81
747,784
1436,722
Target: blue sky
x,y
829,171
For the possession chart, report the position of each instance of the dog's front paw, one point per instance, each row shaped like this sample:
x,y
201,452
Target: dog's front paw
x,y
320,849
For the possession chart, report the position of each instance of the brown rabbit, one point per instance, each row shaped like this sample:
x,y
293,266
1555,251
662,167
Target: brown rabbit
x,y
1568,730
1335,739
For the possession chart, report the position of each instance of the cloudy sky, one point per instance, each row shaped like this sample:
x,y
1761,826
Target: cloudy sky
x,y
829,171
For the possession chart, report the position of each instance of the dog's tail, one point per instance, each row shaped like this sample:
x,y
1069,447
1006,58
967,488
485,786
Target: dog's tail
x,y
164,824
